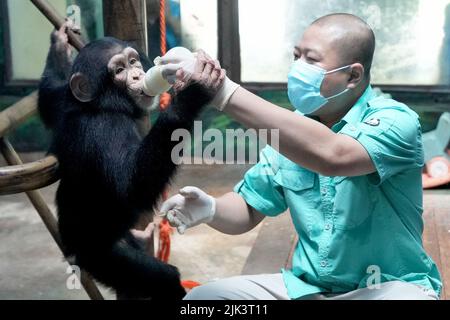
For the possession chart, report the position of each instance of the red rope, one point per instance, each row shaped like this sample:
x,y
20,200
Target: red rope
x,y
165,230
165,97
162,26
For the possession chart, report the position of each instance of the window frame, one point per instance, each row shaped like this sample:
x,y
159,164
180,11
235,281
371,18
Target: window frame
x,y
229,46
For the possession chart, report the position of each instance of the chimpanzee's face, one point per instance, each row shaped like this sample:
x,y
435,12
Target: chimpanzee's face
x,y
127,73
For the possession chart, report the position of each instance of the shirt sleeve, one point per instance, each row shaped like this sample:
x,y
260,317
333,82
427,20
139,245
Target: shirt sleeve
x,y
392,137
258,187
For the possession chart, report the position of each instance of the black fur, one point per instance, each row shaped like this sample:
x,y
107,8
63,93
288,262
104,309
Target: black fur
x,y
109,173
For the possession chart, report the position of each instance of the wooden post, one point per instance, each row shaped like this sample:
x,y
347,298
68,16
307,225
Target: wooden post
x,y
126,20
229,42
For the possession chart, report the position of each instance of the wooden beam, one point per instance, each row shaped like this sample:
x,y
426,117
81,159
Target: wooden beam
x,y
15,115
23,109
26,107
29,176
52,15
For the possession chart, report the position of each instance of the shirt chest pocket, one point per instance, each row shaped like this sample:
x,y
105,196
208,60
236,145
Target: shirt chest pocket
x,y
294,178
353,203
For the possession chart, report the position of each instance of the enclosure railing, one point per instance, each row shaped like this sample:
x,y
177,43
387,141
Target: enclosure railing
x,y
18,177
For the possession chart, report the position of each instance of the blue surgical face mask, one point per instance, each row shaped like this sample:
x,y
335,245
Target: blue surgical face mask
x,y
304,83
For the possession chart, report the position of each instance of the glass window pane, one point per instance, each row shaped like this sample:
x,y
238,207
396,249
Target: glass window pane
x,y
199,25
29,33
413,37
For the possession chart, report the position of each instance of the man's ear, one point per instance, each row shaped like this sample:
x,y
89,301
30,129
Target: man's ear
x,y
356,75
81,90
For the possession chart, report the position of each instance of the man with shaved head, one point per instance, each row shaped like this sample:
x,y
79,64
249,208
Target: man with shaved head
x,y
348,168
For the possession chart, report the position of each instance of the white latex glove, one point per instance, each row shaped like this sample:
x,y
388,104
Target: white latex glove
x,y
184,59
222,97
175,59
163,75
191,207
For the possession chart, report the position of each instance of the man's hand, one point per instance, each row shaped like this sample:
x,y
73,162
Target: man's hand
x,y
189,208
175,59
207,73
183,69
211,76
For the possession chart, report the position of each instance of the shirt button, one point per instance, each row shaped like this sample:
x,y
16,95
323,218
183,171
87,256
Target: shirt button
x,y
324,191
352,128
327,226
323,263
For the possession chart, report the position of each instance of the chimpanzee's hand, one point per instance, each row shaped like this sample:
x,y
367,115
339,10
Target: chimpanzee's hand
x,y
207,74
60,39
145,237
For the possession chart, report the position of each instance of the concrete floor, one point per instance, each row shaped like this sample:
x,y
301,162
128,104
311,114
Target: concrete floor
x,y
32,267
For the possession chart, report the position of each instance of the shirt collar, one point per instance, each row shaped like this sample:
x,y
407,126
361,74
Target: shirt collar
x,y
355,113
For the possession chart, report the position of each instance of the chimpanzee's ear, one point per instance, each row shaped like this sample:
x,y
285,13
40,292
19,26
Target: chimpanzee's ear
x,y
81,90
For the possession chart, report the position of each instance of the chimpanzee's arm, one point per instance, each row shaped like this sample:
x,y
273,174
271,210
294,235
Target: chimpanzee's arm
x,y
59,63
153,164
134,171
52,87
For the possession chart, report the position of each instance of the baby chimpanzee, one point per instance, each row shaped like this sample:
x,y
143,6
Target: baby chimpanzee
x,y
109,173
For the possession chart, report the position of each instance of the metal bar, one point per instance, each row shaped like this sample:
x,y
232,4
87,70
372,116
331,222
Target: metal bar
x,y
12,158
52,15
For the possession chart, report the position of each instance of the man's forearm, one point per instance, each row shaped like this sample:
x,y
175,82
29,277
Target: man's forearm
x,y
307,142
298,135
233,215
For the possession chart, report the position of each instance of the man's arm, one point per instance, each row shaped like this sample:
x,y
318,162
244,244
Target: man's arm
x,y
304,141
234,216
228,214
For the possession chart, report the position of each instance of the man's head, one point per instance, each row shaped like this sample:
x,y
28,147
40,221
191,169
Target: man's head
x,y
335,41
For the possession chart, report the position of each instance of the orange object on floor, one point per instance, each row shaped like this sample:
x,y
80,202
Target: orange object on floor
x,y
189,284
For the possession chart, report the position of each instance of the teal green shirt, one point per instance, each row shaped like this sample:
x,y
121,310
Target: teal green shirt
x,y
352,230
